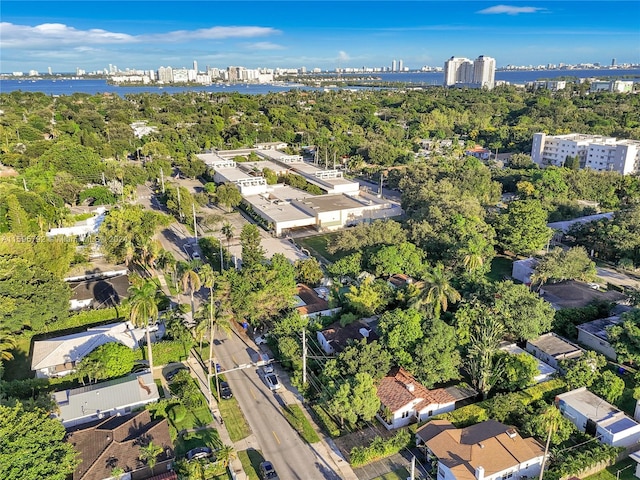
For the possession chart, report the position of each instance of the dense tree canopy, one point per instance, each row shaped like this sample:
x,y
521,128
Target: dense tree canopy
x,y
33,446
30,296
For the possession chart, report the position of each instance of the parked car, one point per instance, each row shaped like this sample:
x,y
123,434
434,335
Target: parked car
x,y
267,472
265,362
272,381
172,373
260,340
218,366
225,391
199,452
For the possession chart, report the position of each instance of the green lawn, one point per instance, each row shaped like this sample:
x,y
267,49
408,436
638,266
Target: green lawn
x,y
317,245
234,420
195,417
399,474
295,416
251,460
620,471
500,268
207,437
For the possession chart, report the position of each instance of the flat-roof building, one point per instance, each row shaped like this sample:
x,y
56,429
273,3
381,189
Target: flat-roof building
x,y
593,415
551,349
595,152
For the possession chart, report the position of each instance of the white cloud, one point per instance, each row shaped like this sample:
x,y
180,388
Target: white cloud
x,y
343,56
263,46
60,35
509,10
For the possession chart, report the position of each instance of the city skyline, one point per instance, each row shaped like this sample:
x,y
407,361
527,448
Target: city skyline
x,y
328,35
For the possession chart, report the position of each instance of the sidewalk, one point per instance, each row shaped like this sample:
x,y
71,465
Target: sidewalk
x,y
235,466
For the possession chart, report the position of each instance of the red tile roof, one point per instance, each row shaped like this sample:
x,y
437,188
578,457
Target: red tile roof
x,y
313,303
394,393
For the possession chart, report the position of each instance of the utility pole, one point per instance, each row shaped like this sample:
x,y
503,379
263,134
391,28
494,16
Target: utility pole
x,y
304,356
221,262
162,179
334,160
103,179
24,182
195,224
179,206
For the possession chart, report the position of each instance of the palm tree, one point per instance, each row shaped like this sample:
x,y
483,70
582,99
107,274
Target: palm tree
x,y
550,417
436,292
225,454
190,282
217,321
7,342
149,454
227,231
143,309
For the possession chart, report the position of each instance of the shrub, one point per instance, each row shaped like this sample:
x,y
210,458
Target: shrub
x,y
177,413
380,448
325,421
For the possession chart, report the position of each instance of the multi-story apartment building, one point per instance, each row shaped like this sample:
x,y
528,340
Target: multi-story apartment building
x,y
595,152
463,72
165,74
458,70
484,71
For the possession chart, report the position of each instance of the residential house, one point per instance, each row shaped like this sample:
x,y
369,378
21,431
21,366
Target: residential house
x,y
336,338
488,450
58,356
478,152
545,372
636,457
403,400
115,442
522,270
82,229
98,293
551,349
313,302
594,335
593,415
399,280
115,397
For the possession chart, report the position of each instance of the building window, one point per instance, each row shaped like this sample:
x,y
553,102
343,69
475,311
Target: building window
x,y
406,414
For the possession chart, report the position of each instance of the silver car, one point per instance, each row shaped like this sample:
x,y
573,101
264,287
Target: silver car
x,y
272,381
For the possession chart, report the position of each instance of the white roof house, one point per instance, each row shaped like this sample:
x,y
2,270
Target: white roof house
x,y
58,356
81,229
593,415
115,397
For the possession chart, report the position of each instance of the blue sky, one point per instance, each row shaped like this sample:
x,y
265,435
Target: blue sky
x,y
291,34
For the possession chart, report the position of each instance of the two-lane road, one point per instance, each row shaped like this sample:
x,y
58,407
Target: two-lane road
x,y
279,443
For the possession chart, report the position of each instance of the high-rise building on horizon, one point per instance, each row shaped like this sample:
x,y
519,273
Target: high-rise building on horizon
x,y
462,71
393,66
484,71
401,66
195,65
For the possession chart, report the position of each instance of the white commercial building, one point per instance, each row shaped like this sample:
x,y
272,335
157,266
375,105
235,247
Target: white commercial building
x,y
595,152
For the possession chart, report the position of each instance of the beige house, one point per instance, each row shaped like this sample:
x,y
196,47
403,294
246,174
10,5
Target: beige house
x,y
488,450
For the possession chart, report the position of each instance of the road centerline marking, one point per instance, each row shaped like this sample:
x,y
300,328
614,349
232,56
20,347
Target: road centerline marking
x,y
276,436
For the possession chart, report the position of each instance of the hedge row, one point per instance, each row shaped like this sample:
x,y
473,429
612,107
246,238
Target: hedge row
x,y
479,412
325,420
380,448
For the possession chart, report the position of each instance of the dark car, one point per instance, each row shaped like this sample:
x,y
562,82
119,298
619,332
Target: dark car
x,y
225,391
172,373
199,452
267,472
